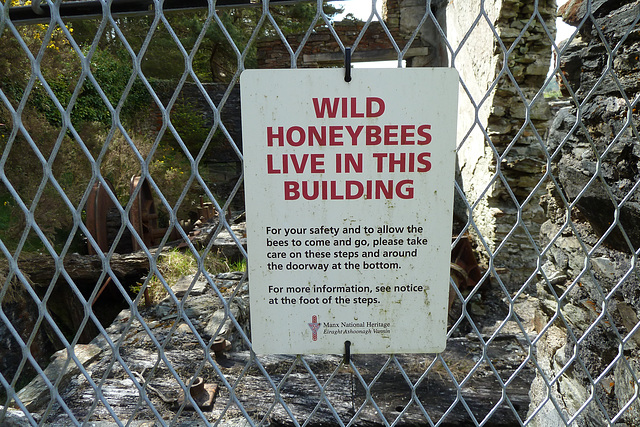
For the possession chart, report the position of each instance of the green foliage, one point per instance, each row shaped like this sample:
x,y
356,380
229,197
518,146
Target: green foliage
x,y
216,59
189,124
168,167
42,142
175,264
25,171
240,265
552,90
112,74
297,18
6,218
13,64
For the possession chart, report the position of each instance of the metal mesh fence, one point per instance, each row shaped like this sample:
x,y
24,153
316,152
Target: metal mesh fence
x,y
125,300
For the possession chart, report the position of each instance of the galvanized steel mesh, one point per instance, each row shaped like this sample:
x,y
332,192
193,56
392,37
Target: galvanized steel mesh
x,y
486,373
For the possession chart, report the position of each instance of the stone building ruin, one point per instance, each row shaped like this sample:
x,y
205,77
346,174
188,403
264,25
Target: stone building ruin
x,y
549,194
501,157
500,151
522,161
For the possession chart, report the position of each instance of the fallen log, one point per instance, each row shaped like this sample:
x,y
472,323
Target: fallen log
x,y
41,269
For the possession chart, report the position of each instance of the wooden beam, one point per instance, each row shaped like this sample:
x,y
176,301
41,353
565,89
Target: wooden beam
x,y
364,56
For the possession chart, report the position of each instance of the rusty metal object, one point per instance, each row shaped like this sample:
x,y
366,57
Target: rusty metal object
x,y
464,269
220,345
466,265
102,288
202,394
206,210
97,208
143,215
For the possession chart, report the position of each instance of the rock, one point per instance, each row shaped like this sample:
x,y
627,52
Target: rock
x,y
625,387
604,266
37,395
138,382
238,422
15,418
591,272
226,244
574,11
594,196
195,286
222,324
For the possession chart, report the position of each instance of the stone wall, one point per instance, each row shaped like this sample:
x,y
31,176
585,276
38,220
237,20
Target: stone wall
x,y
191,96
502,118
592,261
321,48
411,14
512,114
220,164
401,18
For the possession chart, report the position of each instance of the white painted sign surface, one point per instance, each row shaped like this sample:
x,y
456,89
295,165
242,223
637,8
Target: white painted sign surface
x,y
349,197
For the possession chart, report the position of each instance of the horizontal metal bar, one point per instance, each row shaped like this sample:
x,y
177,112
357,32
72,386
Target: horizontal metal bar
x,y
25,15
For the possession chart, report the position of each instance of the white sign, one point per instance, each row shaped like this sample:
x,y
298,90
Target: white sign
x,y
349,198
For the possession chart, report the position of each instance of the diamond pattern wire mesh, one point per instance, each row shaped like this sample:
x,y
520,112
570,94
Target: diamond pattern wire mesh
x,y
554,343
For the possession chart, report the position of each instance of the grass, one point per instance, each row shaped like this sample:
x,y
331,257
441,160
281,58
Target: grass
x,y
555,94
552,90
174,264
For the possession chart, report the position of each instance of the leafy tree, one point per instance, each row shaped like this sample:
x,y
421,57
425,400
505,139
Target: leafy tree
x,y
214,59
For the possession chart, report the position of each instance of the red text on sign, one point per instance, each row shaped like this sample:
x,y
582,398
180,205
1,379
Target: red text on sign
x,y
348,190
296,163
322,136
402,162
348,107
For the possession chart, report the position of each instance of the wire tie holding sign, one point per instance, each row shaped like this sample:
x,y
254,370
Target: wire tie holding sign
x,y
347,352
347,64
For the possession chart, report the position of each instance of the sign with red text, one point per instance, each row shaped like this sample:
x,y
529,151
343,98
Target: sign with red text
x,y
349,199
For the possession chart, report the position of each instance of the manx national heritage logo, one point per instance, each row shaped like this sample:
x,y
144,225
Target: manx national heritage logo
x,y
314,325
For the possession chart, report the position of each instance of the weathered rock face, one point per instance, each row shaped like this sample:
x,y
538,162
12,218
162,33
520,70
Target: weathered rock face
x,y
592,233
161,349
503,115
19,308
64,306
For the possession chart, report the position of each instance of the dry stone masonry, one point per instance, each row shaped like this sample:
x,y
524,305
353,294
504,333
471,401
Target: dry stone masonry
x,y
500,153
401,18
591,264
